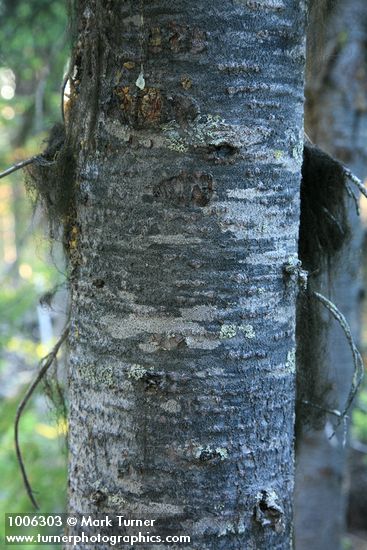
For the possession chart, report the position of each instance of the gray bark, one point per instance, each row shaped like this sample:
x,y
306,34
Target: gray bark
x,y
188,121
336,121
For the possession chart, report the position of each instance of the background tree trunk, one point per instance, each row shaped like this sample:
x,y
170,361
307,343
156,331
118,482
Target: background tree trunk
x,y
187,118
336,121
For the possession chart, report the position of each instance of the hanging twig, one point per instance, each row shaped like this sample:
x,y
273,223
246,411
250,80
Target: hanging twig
x,y
357,358
45,364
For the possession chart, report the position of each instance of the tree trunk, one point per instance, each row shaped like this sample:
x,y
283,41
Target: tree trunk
x,y
336,122
187,120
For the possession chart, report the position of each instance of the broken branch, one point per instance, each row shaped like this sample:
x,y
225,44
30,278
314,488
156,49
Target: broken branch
x,y
18,166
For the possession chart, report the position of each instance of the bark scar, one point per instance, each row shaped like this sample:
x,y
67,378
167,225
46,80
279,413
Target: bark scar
x,y
268,512
185,189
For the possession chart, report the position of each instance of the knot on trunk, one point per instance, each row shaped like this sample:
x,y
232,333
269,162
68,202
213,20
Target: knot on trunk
x,y
268,512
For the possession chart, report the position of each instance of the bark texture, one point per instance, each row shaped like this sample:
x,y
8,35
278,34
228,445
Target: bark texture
x,y
188,121
336,120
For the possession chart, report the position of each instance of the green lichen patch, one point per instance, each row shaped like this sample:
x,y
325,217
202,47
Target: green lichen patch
x,y
99,375
171,406
248,331
137,372
228,331
291,360
278,154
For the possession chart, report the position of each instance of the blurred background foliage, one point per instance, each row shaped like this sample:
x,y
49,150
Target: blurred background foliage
x,y
34,49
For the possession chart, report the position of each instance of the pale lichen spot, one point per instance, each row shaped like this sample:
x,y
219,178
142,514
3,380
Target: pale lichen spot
x,y
228,331
116,501
140,81
132,486
163,509
293,263
278,154
99,375
177,144
226,529
222,452
208,341
133,325
137,372
186,82
263,4
148,347
174,239
291,360
198,451
248,331
199,313
171,406
244,194
297,151
245,222
241,528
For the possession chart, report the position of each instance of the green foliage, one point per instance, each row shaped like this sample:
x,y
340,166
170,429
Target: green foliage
x,y
33,35
359,424
14,303
34,45
31,276
44,459
33,57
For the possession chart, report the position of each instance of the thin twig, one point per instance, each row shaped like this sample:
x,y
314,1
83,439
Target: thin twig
x,y
358,446
18,166
353,197
356,181
334,412
46,362
342,417
308,138
357,358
